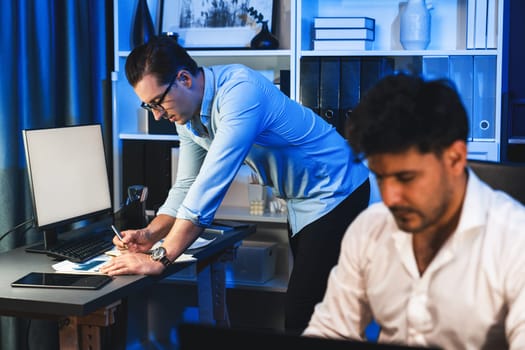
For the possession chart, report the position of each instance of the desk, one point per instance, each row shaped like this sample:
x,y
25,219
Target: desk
x,y
83,314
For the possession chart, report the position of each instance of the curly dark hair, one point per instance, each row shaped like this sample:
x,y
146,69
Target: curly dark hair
x,y
161,56
403,111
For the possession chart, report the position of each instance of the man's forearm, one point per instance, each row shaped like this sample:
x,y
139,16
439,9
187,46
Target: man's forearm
x,y
159,227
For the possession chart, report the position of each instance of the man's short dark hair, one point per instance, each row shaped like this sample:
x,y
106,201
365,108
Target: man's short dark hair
x,y
403,111
162,56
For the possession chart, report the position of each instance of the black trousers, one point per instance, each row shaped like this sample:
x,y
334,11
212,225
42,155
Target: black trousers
x,y
315,251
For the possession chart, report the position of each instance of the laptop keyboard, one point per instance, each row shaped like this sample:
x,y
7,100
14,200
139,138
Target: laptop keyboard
x,y
83,249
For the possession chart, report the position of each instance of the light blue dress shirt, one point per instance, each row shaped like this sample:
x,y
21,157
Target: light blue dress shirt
x,y
246,118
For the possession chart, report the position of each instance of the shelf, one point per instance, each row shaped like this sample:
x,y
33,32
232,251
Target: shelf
x,y
448,21
516,140
243,214
277,284
483,150
245,53
230,53
400,53
143,136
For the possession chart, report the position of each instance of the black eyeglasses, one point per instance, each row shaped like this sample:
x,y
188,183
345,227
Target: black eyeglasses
x,y
156,106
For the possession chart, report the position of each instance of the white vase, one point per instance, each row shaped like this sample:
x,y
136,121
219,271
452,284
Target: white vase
x,y
415,26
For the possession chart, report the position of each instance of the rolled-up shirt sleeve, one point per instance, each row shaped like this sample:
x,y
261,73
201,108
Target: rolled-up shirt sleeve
x,y
191,156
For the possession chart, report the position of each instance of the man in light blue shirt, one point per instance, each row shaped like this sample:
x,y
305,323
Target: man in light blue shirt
x,y
229,115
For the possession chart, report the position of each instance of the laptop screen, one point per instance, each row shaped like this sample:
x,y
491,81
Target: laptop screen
x,y
199,336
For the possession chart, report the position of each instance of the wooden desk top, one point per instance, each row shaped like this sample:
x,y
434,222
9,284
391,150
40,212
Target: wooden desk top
x,y
46,303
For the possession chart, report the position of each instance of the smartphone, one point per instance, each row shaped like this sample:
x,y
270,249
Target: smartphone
x,y
62,280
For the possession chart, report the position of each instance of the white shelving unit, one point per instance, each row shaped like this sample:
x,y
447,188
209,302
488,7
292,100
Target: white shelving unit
x,y
448,38
130,123
129,119
294,21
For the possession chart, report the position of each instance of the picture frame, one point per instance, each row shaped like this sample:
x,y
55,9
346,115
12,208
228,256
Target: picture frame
x,y
214,24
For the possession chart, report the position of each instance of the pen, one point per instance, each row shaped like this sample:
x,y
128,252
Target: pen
x,y
117,233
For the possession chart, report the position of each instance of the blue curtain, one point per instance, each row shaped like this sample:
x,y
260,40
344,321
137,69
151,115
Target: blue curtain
x,y
55,64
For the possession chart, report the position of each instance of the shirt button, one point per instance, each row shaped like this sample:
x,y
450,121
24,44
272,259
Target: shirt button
x,y
418,316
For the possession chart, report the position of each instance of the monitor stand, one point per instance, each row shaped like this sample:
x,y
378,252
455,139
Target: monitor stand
x,y
95,225
50,239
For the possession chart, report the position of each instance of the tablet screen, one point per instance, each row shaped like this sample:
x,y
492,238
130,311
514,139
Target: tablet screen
x,y
62,280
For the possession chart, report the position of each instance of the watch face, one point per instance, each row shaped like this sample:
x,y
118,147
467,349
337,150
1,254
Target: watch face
x,y
158,253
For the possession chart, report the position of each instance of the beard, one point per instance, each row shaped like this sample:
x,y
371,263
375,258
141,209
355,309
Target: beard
x,y
416,220
407,219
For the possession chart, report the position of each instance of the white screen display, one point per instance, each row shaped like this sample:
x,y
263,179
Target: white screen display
x,y
67,172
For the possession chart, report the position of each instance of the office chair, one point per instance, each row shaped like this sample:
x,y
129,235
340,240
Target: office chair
x,y
507,177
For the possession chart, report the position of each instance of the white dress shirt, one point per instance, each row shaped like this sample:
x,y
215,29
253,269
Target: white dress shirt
x,y
471,296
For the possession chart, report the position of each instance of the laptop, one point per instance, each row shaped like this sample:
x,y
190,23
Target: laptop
x,y
199,336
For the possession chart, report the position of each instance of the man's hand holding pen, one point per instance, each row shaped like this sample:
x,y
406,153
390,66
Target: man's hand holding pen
x,y
135,241
120,244
134,244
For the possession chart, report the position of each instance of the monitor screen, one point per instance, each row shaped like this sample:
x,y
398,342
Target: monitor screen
x,y
198,336
67,174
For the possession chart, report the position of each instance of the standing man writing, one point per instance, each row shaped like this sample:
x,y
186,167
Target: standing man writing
x,y
440,261
226,116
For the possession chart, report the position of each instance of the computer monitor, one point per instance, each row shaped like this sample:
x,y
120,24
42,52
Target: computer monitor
x,y
68,177
197,336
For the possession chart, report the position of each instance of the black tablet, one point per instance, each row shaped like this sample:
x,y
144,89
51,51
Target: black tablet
x,y
62,280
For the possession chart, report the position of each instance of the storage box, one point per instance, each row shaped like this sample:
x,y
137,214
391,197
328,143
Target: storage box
x,y
254,262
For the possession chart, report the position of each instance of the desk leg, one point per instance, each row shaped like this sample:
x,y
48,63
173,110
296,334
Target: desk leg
x,y
218,287
84,332
211,285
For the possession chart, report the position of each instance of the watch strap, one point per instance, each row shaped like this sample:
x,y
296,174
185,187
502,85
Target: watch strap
x,y
165,261
159,254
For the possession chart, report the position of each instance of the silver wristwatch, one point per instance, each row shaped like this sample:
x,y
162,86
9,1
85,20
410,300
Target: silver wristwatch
x,y
159,254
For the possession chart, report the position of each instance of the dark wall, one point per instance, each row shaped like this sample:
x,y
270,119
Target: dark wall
x,y
513,121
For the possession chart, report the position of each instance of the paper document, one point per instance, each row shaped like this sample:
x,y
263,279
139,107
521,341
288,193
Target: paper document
x,y
200,242
91,266
185,257
182,258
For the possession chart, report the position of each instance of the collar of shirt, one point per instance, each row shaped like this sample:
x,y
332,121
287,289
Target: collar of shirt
x,y
209,92
201,127
473,216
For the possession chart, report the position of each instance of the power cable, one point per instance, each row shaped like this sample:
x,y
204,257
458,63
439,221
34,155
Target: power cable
x,y
16,228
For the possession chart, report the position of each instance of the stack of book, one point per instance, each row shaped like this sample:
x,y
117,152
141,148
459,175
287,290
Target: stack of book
x,y
344,33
